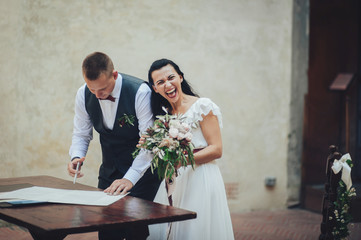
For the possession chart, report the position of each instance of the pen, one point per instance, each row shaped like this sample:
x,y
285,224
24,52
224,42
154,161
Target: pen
x,y
76,174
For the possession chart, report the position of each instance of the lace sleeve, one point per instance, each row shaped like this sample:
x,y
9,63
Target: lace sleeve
x,y
203,107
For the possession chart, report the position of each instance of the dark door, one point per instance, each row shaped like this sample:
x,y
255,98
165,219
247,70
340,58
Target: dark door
x,y
331,117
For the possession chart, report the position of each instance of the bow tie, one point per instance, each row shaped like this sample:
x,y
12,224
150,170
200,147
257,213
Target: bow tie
x,y
110,98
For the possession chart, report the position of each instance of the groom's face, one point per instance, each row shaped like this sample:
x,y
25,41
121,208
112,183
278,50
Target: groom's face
x,y
103,86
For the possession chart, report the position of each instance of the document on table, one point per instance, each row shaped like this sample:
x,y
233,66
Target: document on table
x,y
55,195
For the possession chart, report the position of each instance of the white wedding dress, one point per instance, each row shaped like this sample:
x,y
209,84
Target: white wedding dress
x,y
200,190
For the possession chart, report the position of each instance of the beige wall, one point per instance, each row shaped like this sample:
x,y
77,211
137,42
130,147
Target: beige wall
x,y
236,52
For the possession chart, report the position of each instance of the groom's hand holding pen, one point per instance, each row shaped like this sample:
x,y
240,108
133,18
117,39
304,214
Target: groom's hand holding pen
x,y
74,168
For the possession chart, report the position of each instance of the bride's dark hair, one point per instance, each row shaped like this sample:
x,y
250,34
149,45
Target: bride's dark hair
x,y
157,101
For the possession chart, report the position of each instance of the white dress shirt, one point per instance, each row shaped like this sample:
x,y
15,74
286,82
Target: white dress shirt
x,y
83,127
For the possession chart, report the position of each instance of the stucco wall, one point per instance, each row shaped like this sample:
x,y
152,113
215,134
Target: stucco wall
x,y
236,52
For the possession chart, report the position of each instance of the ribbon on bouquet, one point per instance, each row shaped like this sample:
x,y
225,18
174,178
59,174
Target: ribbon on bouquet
x,y
170,187
346,169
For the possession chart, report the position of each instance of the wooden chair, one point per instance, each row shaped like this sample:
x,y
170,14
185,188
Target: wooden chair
x,y
330,195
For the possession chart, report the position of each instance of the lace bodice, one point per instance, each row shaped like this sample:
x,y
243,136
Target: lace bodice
x,y
202,107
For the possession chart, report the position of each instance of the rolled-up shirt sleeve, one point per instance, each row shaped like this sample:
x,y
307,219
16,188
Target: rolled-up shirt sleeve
x,y
83,127
145,119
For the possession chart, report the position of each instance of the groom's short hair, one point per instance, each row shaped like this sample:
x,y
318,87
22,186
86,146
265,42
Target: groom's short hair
x,y
97,63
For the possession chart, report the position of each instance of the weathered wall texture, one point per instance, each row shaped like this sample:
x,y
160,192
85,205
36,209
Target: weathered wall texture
x,y
236,52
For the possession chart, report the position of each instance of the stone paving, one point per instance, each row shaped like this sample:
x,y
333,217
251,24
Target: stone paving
x,y
290,224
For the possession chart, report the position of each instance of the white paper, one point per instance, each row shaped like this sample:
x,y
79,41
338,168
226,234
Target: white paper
x,y
54,195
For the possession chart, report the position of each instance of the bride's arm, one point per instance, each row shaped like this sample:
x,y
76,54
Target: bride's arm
x,y
212,134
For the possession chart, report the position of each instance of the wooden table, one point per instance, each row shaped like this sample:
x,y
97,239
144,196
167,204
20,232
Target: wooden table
x,y
56,221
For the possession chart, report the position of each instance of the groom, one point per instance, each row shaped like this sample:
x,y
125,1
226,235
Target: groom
x,y
117,106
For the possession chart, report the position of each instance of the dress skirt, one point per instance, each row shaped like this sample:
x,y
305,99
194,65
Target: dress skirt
x,y
200,190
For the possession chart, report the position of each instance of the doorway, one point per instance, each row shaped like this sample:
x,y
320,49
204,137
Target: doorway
x,y
331,117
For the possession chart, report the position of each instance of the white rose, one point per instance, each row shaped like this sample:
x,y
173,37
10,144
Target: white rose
x,y
173,132
188,136
174,123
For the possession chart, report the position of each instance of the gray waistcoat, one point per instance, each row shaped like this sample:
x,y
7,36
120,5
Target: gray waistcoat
x,y
117,144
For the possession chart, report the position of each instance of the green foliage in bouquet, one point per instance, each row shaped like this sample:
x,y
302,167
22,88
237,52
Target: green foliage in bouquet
x,y
170,142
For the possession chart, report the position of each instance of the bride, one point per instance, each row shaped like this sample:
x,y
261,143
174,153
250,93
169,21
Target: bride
x,y
200,190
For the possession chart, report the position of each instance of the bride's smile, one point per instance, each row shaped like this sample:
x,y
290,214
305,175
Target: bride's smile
x,y
167,82
171,93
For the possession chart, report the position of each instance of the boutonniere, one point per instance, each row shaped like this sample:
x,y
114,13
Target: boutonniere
x,y
126,120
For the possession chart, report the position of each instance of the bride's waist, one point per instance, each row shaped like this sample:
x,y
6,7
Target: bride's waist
x,y
213,162
210,162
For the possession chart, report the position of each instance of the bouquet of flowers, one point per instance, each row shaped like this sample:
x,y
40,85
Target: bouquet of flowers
x,y
170,142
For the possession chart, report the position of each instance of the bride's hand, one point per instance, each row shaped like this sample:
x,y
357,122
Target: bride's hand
x,y
179,165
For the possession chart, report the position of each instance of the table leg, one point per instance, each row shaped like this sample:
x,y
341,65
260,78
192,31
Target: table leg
x,y
138,232
39,236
